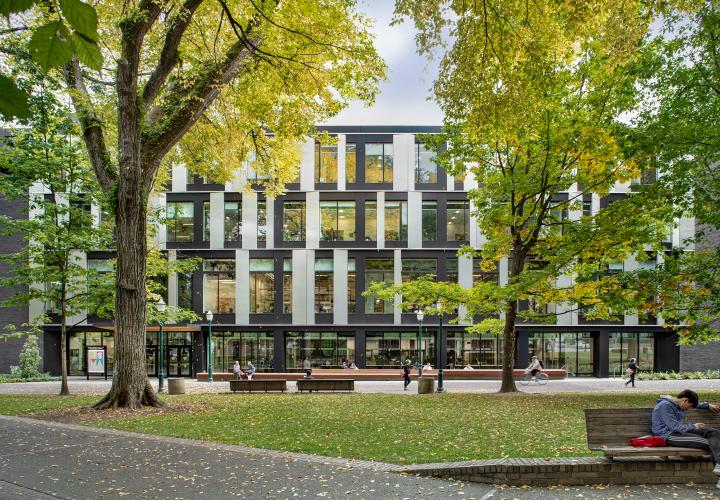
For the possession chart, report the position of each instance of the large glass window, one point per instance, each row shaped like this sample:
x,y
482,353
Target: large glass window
x,y
287,286
294,221
180,221
414,268
626,345
396,220
350,163
483,272
470,349
337,220
458,221
323,286
370,221
219,286
262,220
233,221
80,214
206,221
570,351
392,349
429,220
381,271
378,163
262,286
451,268
185,290
244,347
326,160
351,285
426,171
321,349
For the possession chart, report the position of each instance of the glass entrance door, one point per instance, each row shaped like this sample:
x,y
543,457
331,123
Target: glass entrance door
x,y
179,361
151,361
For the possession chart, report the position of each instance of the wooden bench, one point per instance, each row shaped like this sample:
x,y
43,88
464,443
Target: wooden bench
x,y
266,385
320,384
608,431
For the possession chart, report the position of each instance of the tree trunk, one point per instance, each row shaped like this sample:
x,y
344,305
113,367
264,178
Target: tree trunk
x,y
64,389
508,381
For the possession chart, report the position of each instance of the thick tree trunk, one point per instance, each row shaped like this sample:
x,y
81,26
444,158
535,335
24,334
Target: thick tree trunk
x,y
508,382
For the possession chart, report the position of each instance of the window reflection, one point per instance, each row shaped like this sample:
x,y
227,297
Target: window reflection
x,y
378,163
458,221
337,220
219,286
180,221
396,220
262,286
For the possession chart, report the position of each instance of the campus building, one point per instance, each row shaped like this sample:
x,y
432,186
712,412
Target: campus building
x,y
284,277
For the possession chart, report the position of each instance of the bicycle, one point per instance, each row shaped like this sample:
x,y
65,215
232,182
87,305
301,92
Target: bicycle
x,y
540,378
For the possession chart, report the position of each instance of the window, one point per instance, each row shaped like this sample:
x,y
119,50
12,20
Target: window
x,y
287,286
350,163
206,221
451,269
320,349
337,220
426,171
219,286
378,163
370,221
323,286
458,221
180,221
573,351
484,273
80,214
326,160
262,286
233,221
415,268
185,290
294,221
429,220
379,271
261,221
98,271
392,349
396,220
587,208
471,349
351,285
244,347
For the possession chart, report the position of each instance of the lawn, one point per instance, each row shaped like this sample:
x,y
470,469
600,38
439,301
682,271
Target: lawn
x,y
383,427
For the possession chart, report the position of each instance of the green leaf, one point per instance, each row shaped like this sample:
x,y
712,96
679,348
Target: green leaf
x,y
13,101
81,16
87,51
12,6
50,45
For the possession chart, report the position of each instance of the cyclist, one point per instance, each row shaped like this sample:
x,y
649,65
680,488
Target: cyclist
x,y
536,366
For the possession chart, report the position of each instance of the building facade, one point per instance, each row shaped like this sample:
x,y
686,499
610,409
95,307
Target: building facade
x,y
284,277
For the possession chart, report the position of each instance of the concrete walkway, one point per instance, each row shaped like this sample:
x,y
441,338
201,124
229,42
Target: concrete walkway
x,y
79,385
42,460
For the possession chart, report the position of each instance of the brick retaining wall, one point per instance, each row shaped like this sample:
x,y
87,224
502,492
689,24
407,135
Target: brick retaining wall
x,y
571,471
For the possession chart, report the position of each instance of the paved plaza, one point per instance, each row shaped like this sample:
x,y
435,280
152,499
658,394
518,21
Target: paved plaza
x,y
79,385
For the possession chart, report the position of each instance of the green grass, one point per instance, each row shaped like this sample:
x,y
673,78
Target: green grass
x,y
6,379
383,427
12,404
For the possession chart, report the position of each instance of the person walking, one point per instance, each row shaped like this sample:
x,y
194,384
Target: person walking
x,y
406,374
631,371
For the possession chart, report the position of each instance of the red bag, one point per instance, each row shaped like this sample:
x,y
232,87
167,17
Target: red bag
x,y
647,442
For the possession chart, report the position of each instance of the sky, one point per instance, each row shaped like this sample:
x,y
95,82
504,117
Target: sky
x,y
403,97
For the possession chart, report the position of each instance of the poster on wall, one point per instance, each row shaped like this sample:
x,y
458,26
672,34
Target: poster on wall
x,y
96,361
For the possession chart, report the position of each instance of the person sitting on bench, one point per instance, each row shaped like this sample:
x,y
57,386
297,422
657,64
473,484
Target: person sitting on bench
x,y
667,422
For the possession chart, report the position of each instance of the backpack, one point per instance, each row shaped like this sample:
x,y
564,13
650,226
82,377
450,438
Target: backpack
x,y
542,365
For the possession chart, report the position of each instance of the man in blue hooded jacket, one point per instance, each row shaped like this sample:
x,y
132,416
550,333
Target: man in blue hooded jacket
x,y
667,422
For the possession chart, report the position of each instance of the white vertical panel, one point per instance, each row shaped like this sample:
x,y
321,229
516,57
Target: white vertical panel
x,y
179,178
450,183
595,204
686,229
299,287
95,210
381,219
157,204
565,315
465,279
401,161
470,182
397,279
310,287
415,219
341,180
217,219
172,282
36,308
78,258
239,179
312,219
503,271
660,261
242,287
340,287
249,219
39,188
474,228
307,165
411,159
270,220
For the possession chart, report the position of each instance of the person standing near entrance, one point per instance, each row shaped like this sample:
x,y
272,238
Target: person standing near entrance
x,y
406,374
632,370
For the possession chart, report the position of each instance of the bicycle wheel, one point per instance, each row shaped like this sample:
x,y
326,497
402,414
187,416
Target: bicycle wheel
x,y
525,380
542,378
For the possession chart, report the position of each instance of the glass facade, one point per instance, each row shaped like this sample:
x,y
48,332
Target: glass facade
x,y
351,277
321,349
485,272
380,271
185,290
326,163
294,221
244,347
180,221
413,269
337,220
571,351
470,349
233,221
378,163
429,220
392,349
262,286
287,286
458,221
323,286
370,221
396,220
426,170
261,220
350,163
626,345
219,286
206,221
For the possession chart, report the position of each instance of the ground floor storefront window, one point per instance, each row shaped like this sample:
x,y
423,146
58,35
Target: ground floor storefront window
x,y
470,349
321,349
79,341
571,351
626,345
392,349
244,347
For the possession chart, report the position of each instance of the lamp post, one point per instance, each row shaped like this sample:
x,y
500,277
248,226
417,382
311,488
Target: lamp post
x,y
440,348
420,315
209,316
160,306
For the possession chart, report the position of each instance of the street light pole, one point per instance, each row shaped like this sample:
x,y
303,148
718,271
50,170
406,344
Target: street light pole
x,y
161,345
420,315
209,316
440,349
